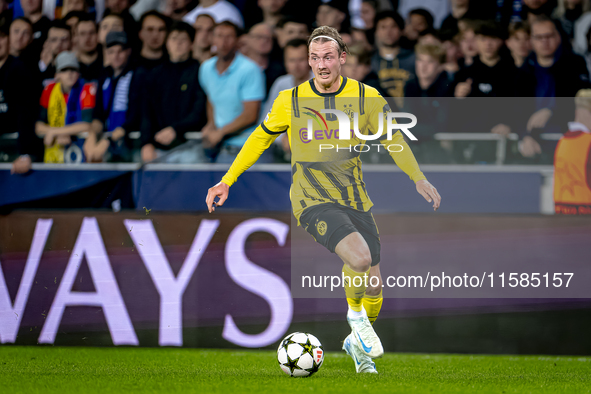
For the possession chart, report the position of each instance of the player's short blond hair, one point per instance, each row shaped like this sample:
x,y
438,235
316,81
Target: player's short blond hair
x,y
324,34
583,99
435,51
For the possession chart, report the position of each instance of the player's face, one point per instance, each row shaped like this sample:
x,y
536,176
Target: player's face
x,y
325,62
296,61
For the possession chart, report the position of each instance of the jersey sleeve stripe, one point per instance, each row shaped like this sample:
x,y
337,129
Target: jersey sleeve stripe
x,y
361,99
294,102
272,132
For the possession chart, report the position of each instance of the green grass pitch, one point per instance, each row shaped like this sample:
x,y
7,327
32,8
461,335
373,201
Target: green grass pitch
x,y
121,370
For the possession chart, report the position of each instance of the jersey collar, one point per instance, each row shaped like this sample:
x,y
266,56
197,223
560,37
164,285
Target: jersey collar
x,y
343,83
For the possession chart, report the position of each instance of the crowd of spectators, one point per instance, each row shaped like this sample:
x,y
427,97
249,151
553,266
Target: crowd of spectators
x,y
79,78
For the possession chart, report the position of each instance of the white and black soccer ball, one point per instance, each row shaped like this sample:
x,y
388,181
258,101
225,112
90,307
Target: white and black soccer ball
x,y
300,354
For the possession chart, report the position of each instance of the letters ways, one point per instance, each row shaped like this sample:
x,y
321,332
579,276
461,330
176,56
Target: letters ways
x,y
107,295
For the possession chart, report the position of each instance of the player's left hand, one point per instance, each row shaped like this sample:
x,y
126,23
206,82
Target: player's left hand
x,y
428,191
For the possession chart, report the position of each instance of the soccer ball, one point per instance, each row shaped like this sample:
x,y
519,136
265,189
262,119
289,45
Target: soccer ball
x,y
300,354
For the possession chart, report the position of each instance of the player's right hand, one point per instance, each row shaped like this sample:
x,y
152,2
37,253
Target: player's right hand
x,y
220,190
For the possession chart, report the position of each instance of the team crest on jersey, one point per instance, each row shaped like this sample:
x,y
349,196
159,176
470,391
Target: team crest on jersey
x,y
349,111
321,227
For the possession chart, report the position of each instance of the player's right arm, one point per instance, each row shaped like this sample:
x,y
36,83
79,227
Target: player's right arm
x,y
276,123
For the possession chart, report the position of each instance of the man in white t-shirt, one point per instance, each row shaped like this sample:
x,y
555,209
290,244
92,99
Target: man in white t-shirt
x,y
220,10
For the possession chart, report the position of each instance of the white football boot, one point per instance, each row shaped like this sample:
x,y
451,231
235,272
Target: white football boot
x,y
363,363
364,336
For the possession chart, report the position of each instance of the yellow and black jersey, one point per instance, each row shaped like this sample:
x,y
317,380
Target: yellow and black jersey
x,y
325,167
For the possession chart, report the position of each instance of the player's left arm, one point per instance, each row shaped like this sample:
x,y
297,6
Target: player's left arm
x,y
401,152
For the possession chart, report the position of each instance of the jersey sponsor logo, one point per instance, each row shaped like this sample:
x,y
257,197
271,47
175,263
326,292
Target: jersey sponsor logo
x,y
344,118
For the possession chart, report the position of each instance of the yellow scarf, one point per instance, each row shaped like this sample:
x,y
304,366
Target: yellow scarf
x,y
56,115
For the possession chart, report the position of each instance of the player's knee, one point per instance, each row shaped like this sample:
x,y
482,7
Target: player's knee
x,y
373,291
362,262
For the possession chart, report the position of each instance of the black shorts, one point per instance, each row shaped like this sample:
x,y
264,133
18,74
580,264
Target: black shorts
x,y
329,223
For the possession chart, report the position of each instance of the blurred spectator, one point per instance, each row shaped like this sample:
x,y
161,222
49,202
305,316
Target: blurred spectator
x,y
66,111
550,71
203,26
451,44
362,37
419,20
118,107
489,75
468,42
535,8
73,6
176,102
572,172
177,9
519,42
111,22
258,47
220,10
235,87
21,36
298,71
121,8
369,9
32,11
429,37
290,28
431,79
269,12
59,39
358,67
425,98
439,9
334,13
466,9
72,20
568,12
17,103
394,65
153,30
89,56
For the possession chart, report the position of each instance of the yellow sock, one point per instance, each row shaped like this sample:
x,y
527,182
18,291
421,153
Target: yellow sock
x,y
354,290
372,305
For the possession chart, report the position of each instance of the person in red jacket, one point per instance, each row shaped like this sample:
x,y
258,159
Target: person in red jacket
x,y
572,162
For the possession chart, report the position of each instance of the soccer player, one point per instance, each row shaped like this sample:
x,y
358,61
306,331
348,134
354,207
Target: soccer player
x,y
328,195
